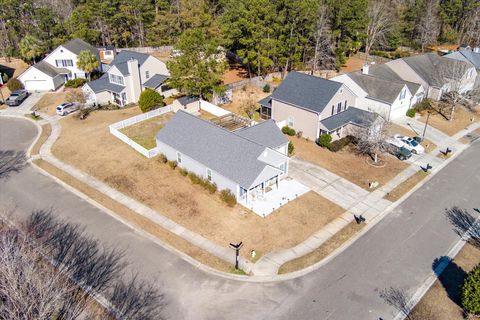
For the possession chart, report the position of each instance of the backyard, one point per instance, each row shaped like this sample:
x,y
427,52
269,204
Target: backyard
x,y
89,146
243,96
347,164
144,132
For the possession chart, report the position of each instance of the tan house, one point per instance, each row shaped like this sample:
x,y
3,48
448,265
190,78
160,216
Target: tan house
x,y
188,104
314,106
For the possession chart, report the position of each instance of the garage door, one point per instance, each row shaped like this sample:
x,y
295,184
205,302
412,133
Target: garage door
x,y
398,113
38,85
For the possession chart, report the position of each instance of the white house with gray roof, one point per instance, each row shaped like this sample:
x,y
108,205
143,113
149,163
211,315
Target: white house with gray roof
x,y
57,67
246,161
127,76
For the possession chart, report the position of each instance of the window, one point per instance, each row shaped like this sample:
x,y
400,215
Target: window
x,y
402,94
62,63
283,167
339,107
345,106
179,157
209,174
116,79
147,74
333,110
290,122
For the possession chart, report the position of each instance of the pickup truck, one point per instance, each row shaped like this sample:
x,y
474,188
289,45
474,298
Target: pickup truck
x,y
399,151
17,97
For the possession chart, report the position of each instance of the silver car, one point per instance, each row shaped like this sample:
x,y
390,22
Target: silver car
x,y
67,107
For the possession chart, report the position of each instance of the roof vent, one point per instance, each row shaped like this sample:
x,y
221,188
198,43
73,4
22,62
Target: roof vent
x,y
365,69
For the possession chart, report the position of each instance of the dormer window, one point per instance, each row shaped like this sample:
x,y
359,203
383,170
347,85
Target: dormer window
x,y
116,79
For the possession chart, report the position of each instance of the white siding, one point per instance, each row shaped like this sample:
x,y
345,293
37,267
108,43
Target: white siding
x,y
153,66
35,80
60,53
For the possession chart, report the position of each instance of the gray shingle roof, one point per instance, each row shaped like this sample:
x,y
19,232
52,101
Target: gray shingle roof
x,y
432,68
155,81
376,88
352,115
385,72
467,56
78,45
267,101
187,100
265,133
50,70
224,152
103,84
121,59
306,91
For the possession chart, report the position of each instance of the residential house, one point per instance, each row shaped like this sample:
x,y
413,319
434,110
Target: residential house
x,y
57,67
127,76
438,75
390,99
107,53
189,104
305,102
246,162
469,56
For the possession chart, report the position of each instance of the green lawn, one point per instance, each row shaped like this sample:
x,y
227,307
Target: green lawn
x,y
144,132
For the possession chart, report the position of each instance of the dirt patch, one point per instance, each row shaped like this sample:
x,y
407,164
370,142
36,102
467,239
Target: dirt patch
x,y
235,74
441,302
353,63
89,146
207,115
46,131
347,164
240,97
17,65
324,250
397,129
462,118
144,132
405,186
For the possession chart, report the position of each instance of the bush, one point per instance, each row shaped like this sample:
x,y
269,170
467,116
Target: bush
x,y
150,100
288,131
411,113
75,83
182,171
339,144
172,164
83,113
211,187
228,197
14,84
425,104
266,88
324,140
4,78
471,292
291,148
162,158
194,178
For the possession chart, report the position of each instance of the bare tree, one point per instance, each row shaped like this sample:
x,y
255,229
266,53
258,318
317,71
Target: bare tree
x,y
249,106
321,36
11,161
464,224
398,299
379,24
75,96
372,141
429,26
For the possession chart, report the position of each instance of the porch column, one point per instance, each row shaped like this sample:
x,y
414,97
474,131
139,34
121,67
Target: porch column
x,y
341,132
246,197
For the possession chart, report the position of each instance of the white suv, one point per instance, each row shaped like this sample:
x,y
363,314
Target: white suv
x,y
409,143
67,107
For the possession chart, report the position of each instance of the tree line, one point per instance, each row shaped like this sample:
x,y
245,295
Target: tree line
x,y
269,35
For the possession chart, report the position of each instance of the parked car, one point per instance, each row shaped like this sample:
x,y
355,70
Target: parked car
x,y
17,97
67,107
410,143
401,153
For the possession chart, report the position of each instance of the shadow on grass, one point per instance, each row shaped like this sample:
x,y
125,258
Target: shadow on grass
x,y
451,276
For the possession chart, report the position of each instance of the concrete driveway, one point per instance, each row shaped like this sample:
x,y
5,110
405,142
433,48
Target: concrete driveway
x,y
26,105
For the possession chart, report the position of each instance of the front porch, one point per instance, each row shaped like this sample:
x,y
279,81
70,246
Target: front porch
x,y
265,199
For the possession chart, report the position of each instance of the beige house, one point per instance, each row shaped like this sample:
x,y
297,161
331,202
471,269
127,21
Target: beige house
x,y
314,106
127,76
187,103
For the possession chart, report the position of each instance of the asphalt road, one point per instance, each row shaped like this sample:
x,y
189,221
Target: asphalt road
x,y
397,252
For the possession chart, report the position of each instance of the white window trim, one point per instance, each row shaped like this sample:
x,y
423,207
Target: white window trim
x,y
291,122
179,157
207,171
147,74
113,79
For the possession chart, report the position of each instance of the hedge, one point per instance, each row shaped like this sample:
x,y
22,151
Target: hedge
x,y
471,292
288,131
339,144
75,83
228,197
411,113
150,100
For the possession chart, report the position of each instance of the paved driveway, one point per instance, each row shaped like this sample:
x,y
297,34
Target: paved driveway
x,y
26,105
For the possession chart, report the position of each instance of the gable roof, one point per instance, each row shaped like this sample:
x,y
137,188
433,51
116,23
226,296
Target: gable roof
x,y
306,91
359,117
104,84
385,72
49,70
467,56
155,81
187,100
78,45
265,133
376,88
222,151
121,59
429,67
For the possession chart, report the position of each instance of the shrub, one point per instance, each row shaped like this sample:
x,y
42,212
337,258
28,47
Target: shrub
x,y
194,178
471,292
172,164
425,104
288,131
150,100
324,140
411,113
162,158
228,197
291,148
83,113
75,83
211,187
5,78
266,88
339,144
299,134
182,171
14,84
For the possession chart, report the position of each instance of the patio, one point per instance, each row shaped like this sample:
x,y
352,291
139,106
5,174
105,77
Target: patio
x,y
288,190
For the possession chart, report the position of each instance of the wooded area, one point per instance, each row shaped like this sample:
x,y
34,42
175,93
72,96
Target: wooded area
x,y
270,35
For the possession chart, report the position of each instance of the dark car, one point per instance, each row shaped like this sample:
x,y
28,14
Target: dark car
x,y
401,153
17,97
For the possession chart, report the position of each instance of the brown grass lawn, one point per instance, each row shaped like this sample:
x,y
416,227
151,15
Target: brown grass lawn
x,y
324,250
206,115
46,130
89,146
347,164
234,74
353,63
441,302
405,186
144,132
462,118
397,129
18,65
240,97
51,100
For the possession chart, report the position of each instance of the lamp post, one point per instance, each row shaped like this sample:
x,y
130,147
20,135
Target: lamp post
x,y
237,248
426,124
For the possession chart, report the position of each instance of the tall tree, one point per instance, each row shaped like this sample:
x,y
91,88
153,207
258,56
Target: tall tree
x,y
87,62
379,24
31,48
428,28
321,37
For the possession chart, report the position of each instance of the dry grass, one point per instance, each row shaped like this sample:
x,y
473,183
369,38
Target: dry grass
x,y
89,146
347,164
18,65
234,74
46,130
353,63
397,129
137,220
441,302
50,101
207,115
405,186
144,132
324,250
240,97
462,118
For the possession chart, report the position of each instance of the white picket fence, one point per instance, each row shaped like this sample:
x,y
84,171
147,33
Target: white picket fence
x,y
115,127
213,109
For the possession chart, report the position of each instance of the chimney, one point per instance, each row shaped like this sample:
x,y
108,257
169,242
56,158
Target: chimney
x,y
365,69
476,49
135,86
